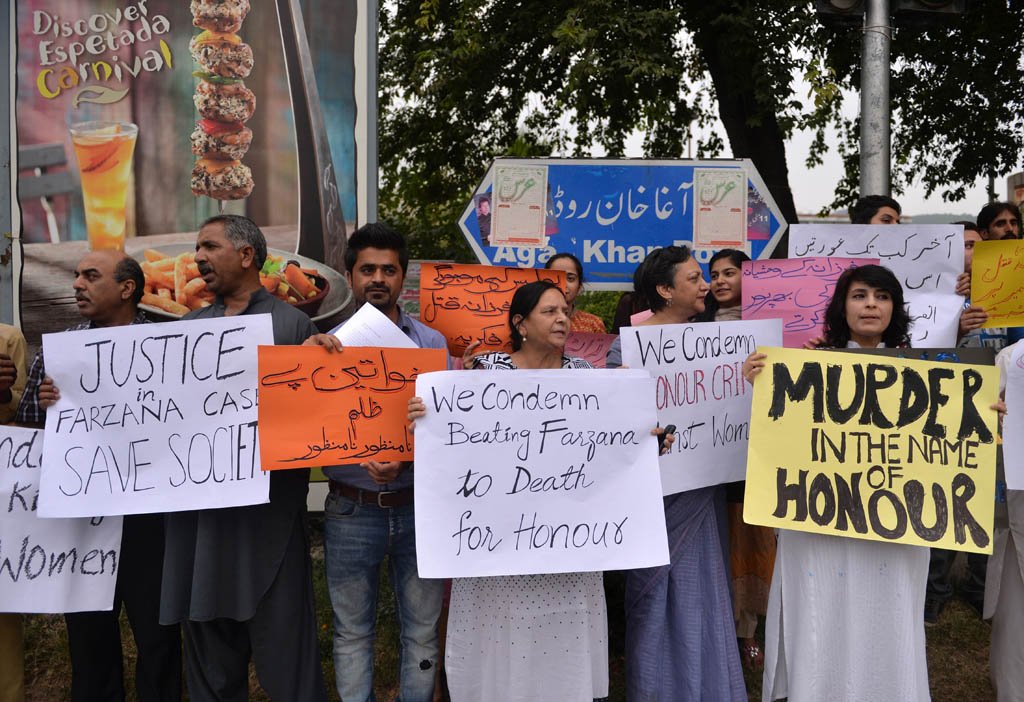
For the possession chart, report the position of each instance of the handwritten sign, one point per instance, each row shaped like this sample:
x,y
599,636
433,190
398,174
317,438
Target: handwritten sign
x,y
49,565
319,408
997,281
589,346
699,387
1013,441
875,448
537,472
795,290
154,418
926,258
470,303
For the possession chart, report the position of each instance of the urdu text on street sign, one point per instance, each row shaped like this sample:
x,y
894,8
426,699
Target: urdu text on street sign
x,y
611,213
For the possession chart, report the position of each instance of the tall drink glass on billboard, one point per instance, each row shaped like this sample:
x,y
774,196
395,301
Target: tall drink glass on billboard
x,y
104,151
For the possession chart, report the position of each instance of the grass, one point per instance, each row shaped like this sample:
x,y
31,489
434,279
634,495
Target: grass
x,y
957,648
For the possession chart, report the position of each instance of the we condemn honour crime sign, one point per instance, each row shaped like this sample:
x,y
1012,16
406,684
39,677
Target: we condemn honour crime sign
x,y
545,471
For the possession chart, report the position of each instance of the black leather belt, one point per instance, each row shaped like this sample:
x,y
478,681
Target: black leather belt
x,y
381,498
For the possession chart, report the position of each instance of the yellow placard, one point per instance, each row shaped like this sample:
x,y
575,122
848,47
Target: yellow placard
x,y
997,281
874,447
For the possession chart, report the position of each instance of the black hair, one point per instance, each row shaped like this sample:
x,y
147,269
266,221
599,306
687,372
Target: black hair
x,y
992,210
376,235
129,269
711,306
523,302
837,330
865,208
569,256
968,225
659,268
242,231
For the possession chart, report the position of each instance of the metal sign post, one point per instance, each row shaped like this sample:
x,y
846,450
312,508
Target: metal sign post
x,y
875,144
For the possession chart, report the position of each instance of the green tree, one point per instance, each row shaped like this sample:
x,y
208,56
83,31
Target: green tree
x,y
465,82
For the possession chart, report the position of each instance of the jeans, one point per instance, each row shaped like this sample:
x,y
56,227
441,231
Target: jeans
x,y
357,538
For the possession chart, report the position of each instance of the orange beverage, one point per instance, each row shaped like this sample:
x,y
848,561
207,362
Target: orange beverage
x,y
104,151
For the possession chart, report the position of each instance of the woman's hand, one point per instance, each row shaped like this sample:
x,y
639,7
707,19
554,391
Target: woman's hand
x,y
753,365
468,357
814,343
416,409
328,341
669,439
48,393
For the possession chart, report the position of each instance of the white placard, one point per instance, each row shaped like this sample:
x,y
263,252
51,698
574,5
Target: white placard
x,y
521,472
1013,438
49,565
699,387
369,327
926,258
154,418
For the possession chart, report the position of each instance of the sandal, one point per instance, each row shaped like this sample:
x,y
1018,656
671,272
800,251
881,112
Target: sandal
x,y
751,654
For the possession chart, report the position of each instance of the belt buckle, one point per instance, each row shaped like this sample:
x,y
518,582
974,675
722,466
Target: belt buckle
x,y
381,493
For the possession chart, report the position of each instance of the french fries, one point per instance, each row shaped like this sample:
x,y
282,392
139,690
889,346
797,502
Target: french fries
x,y
173,284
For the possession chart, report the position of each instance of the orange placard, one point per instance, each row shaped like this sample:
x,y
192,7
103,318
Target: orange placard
x,y
470,303
318,408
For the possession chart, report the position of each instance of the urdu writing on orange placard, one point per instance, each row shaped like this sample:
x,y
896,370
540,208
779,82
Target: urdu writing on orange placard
x,y
468,303
320,408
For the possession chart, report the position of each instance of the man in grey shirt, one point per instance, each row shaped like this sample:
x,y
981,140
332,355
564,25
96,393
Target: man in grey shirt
x,y
240,580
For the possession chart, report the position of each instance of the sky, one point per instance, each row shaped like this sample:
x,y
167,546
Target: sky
x,y
813,188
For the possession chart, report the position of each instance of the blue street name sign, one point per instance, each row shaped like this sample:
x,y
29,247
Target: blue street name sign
x,y
611,213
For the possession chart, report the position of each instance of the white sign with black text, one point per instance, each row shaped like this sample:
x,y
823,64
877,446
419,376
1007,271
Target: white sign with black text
x,y
154,418
49,565
926,258
699,388
537,471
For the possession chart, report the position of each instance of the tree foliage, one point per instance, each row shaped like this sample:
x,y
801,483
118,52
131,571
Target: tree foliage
x,y
465,81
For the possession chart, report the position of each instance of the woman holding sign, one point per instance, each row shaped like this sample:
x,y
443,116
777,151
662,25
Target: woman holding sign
x,y
529,638
845,615
680,641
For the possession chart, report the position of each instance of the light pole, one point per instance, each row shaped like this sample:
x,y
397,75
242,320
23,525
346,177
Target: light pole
x,y
875,144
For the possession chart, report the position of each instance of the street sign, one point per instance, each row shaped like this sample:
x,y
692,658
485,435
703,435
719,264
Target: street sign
x,y
610,213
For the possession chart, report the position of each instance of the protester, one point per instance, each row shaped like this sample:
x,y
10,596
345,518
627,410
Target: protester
x,y
940,590
999,220
844,614
875,209
240,579
630,303
579,321
751,548
528,637
108,287
369,511
680,641
12,384
1004,587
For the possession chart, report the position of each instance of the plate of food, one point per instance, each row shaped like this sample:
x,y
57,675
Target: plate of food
x,y
174,287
